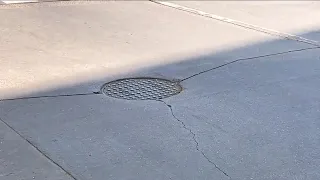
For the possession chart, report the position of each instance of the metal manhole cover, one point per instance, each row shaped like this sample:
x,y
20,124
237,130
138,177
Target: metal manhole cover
x,y
141,88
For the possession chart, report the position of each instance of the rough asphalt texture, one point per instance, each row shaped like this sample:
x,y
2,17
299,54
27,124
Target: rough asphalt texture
x,y
249,108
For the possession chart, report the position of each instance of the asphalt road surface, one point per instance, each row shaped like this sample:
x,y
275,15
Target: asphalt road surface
x,y
249,106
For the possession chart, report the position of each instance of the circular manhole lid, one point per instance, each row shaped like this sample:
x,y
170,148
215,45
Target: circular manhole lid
x,y
141,88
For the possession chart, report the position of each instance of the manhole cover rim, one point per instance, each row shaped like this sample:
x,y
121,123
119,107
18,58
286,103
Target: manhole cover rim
x,y
177,88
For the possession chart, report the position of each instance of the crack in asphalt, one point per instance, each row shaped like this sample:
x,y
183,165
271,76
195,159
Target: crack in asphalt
x,y
194,139
249,58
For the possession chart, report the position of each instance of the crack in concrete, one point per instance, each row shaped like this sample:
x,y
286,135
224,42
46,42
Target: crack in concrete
x,y
52,96
245,59
194,139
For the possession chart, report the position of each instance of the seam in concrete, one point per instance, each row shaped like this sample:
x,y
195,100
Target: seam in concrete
x,y
239,23
194,139
53,96
244,59
18,1
41,152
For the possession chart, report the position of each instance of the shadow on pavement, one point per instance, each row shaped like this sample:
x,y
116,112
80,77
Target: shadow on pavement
x,y
179,70
184,70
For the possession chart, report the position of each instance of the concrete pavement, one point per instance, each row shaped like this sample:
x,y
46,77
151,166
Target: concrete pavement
x,y
4,2
20,160
248,110
280,16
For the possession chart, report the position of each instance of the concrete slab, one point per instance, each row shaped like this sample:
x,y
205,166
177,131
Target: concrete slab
x,y
51,46
284,16
257,119
252,119
19,160
96,137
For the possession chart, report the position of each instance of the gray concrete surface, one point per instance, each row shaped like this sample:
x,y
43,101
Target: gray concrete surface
x,y
69,43
259,118
96,137
282,16
249,108
20,160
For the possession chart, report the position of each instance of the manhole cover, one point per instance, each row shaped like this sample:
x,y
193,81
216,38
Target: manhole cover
x,y
141,88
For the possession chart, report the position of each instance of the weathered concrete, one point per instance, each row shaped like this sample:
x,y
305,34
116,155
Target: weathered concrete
x,y
249,108
69,43
257,119
20,160
283,16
